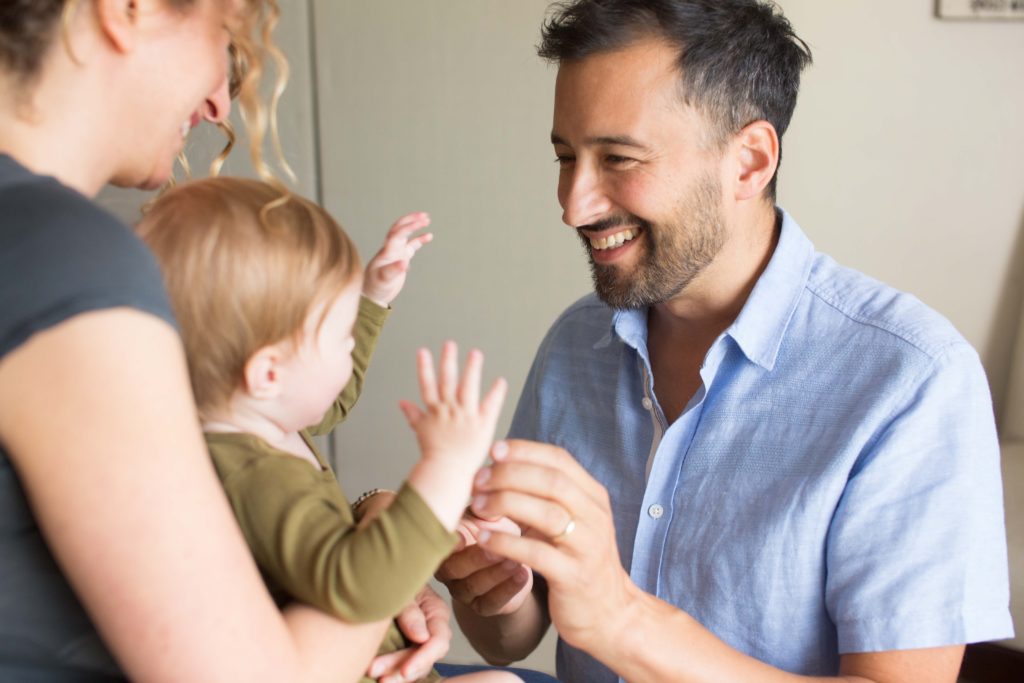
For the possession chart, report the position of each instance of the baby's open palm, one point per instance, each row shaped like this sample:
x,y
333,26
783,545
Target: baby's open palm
x,y
454,424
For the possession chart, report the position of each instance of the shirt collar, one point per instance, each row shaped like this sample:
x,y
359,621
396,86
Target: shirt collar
x,y
762,323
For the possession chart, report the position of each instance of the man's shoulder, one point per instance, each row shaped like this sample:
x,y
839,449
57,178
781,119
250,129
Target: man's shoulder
x,y
588,318
586,311
864,306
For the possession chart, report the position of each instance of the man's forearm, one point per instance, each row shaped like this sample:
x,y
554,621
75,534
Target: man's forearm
x,y
655,641
505,638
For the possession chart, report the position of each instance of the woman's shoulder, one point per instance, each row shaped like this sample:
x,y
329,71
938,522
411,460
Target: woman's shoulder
x,y
61,255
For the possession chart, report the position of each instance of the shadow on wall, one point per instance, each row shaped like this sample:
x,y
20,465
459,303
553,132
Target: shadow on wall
x,y
1007,322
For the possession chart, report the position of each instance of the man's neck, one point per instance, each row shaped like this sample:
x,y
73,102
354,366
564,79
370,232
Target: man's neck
x,y
715,298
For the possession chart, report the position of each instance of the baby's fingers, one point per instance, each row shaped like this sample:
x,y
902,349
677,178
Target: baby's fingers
x,y
411,411
428,380
405,226
494,399
469,386
449,371
418,241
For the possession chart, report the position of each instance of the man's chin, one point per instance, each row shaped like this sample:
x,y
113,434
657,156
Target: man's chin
x,y
614,290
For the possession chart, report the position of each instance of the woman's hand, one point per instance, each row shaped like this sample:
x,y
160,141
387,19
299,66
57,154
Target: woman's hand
x,y
425,622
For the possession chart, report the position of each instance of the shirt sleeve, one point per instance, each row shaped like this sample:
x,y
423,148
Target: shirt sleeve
x,y
917,548
369,323
60,256
303,536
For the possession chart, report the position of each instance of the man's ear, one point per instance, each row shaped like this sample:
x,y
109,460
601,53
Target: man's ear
x,y
118,20
756,150
263,373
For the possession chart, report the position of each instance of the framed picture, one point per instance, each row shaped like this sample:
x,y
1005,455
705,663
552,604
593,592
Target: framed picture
x,y
1001,10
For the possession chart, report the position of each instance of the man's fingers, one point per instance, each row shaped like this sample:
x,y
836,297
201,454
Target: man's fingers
x,y
541,556
544,515
499,600
463,563
555,458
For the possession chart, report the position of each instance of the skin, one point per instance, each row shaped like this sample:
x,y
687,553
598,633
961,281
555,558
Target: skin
x,y
188,605
631,95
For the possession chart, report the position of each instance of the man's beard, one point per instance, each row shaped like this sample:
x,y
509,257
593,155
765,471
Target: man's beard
x,y
673,255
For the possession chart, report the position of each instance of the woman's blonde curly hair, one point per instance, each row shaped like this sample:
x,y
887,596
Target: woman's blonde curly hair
x,y
28,29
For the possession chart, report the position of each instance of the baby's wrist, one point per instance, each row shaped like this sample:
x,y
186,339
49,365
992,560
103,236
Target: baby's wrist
x,y
377,300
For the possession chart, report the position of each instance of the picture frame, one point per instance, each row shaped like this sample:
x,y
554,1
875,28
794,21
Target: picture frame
x,y
980,10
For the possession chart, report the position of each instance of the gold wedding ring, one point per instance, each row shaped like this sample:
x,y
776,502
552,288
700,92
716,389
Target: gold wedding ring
x,y
569,526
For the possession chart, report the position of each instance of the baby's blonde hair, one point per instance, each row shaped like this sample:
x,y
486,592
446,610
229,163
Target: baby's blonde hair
x,y
243,270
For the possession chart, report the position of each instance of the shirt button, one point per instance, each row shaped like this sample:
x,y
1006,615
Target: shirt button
x,y
656,511
647,403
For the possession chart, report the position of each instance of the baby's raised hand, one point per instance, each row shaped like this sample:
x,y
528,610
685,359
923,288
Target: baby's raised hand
x,y
454,426
385,273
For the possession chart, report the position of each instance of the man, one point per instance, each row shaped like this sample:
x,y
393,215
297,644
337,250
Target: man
x,y
778,466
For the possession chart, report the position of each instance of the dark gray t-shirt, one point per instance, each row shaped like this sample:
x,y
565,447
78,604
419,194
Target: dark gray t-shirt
x,y
60,255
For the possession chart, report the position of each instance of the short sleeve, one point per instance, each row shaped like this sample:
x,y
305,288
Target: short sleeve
x,y
917,548
61,255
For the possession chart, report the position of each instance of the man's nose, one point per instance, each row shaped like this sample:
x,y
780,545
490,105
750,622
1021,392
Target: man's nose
x,y
582,197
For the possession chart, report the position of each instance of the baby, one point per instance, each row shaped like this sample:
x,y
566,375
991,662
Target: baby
x,y
279,323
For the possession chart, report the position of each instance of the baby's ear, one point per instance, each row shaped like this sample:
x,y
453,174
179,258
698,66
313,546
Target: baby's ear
x,y
263,373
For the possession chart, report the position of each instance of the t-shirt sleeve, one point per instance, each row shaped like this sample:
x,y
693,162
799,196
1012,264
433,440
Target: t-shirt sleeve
x,y
917,549
61,255
369,323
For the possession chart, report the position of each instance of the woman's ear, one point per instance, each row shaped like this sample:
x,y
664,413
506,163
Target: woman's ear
x,y
118,21
756,149
264,373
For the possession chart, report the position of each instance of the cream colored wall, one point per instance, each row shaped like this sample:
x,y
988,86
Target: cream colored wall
x,y
442,106
904,161
906,158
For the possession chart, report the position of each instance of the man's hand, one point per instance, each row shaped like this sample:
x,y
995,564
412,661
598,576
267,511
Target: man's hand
x,y
487,584
570,538
385,273
425,623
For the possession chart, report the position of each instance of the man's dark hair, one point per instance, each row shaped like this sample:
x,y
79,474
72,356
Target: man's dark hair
x,y
739,60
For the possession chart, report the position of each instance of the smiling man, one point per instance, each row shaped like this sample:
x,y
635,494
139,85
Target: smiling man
x,y
756,463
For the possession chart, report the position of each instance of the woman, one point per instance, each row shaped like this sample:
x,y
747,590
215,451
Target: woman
x,y
118,553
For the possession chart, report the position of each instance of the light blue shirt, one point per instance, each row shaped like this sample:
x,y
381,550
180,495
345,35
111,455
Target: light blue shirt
x,y
832,487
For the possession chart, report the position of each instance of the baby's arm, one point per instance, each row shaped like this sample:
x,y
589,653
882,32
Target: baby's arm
x,y
369,324
382,282
454,430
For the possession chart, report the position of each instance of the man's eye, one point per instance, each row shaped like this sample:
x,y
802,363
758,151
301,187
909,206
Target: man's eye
x,y
564,159
616,160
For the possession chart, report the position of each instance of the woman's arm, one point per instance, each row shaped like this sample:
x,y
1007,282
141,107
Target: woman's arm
x,y
97,416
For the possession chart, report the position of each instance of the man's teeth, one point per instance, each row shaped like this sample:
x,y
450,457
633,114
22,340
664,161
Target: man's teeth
x,y
612,241
185,128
